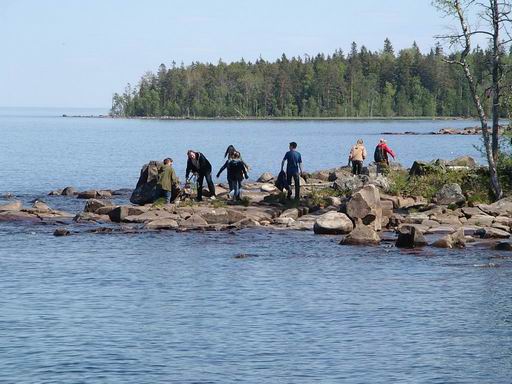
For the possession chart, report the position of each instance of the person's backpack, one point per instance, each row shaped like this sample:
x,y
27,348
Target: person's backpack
x,y
379,156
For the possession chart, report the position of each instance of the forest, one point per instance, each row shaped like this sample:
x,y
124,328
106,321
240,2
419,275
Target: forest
x,y
361,84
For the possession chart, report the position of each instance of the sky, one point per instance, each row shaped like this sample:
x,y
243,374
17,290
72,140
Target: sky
x,y
77,53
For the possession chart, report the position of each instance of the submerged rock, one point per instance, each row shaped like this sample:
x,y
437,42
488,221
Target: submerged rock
x,y
61,232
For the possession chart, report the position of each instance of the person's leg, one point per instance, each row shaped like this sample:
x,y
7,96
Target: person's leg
x,y
232,187
200,179
296,179
209,181
237,190
289,185
359,167
354,167
239,182
174,193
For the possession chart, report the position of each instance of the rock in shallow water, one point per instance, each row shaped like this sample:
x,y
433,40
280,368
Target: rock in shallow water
x,y
61,232
362,235
333,223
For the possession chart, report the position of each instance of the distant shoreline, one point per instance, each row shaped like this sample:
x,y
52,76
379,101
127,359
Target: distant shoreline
x,y
254,118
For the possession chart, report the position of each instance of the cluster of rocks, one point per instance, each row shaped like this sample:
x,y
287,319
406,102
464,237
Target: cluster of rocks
x,y
445,131
361,213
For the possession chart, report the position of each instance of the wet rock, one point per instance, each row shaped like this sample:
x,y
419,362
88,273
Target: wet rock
x,y
14,206
450,194
503,246
286,221
162,224
266,177
92,205
61,232
69,191
104,194
455,240
57,192
444,242
361,235
92,194
365,205
41,207
118,214
7,216
333,223
89,216
491,233
410,238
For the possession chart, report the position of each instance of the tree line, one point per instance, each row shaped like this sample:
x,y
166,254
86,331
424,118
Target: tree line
x,y
361,83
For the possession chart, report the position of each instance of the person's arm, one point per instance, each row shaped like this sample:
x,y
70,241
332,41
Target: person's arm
x,y
174,177
222,168
351,154
388,150
365,154
189,165
244,170
282,162
300,165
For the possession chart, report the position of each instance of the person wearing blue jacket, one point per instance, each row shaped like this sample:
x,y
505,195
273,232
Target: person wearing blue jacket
x,y
294,169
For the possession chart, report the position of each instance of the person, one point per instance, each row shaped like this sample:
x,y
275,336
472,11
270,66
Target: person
x,y
236,173
230,150
357,156
381,156
294,169
198,163
168,181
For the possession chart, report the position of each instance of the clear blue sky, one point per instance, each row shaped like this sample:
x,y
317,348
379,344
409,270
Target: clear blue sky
x,y
65,53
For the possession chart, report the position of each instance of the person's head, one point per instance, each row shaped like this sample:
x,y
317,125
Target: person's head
x,y
382,141
191,154
360,142
229,151
168,161
235,155
293,145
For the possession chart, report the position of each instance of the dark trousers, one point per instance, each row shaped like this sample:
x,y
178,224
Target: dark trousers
x,y
296,180
235,185
200,180
357,167
382,168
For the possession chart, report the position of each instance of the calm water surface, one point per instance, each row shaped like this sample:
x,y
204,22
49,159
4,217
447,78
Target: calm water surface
x,y
180,308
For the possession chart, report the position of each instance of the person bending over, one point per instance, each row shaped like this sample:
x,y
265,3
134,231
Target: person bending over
x,y
357,156
197,163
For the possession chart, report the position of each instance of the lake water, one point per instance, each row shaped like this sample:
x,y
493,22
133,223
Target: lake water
x,y
180,308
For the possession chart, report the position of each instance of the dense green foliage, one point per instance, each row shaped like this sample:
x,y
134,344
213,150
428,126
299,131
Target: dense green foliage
x,y
360,84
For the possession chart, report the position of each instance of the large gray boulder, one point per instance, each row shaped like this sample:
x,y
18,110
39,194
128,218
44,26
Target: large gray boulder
x,y
333,223
450,194
365,206
266,177
92,205
346,183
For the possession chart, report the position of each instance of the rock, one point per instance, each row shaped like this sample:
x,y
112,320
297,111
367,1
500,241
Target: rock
x,y
380,181
333,200
415,218
292,213
421,168
444,242
365,205
471,211
287,221
92,205
87,195
463,161
41,207
69,191
61,232
57,192
146,190
447,219
266,177
450,194
235,216
455,240
14,206
89,216
410,238
430,223
504,220
503,246
502,207
333,223
162,224
103,194
268,188
347,183
7,216
492,233
216,216
362,235
119,213
481,220
194,221
150,216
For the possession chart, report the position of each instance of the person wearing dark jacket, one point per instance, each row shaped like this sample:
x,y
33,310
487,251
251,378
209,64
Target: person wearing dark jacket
x,y
197,163
236,173
381,157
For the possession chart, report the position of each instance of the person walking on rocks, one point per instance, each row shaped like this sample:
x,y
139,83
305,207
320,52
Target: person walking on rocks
x,y
198,164
381,157
168,182
236,173
357,156
294,169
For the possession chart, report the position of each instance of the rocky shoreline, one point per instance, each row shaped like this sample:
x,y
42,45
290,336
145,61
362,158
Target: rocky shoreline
x,y
443,131
358,209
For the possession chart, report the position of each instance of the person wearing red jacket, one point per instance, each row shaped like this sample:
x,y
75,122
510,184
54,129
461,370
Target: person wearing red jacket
x,y
381,156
